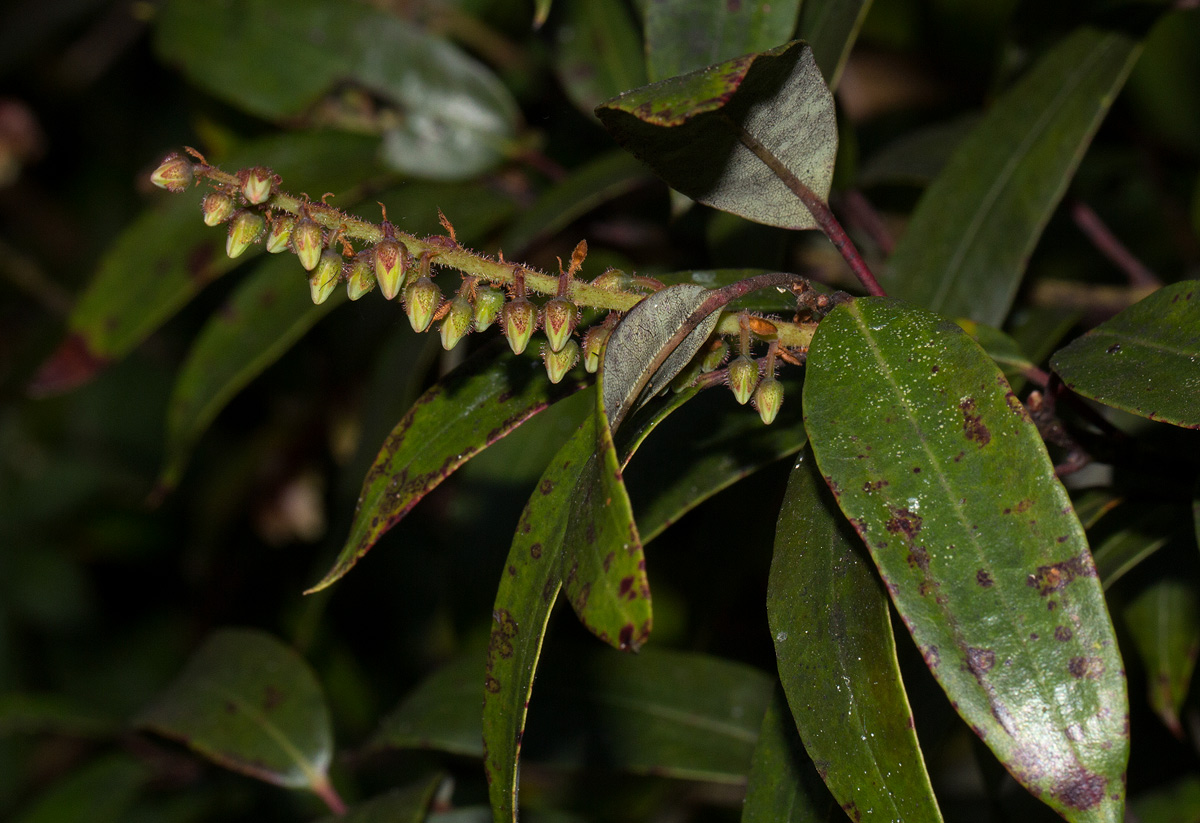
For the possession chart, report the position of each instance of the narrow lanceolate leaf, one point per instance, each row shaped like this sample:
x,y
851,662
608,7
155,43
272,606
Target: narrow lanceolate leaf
x,y
830,27
1146,360
250,703
688,129
683,36
167,255
1164,621
837,659
269,312
473,407
783,786
943,475
965,250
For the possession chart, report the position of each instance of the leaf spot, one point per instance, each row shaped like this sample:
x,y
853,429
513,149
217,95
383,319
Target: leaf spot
x,y
973,425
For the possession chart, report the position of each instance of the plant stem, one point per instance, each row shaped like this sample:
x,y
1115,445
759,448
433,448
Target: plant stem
x,y
325,790
817,207
1107,244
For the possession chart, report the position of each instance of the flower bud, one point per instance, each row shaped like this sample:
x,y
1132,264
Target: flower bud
x,y
558,363
308,240
593,346
520,319
217,207
245,228
558,319
714,355
173,174
457,322
391,259
280,233
768,398
613,280
256,188
360,274
488,304
743,377
421,301
325,276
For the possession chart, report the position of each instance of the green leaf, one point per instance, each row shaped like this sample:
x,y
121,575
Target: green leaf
x,y
598,52
474,406
945,477
406,804
965,249
1141,532
1146,360
682,35
100,792
665,713
1178,803
1004,350
251,704
688,130
837,658
1164,621
269,312
452,117
167,255
830,27
783,786
26,713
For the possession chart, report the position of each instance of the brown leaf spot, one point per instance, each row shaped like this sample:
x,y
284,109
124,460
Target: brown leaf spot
x,y
624,588
1056,576
874,486
535,551
546,486
973,425
919,558
1082,790
491,684
984,579
1086,668
904,522
980,661
626,637
1062,634
932,656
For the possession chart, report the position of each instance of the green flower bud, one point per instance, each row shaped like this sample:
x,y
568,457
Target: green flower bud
x,y
173,174
245,228
256,188
520,320
280,233
488,304
593,345
768,397
558,363
559,317
391,259
421,300
613,280
360,274
714,355
457,322
743,377
325,276
217,207
308,240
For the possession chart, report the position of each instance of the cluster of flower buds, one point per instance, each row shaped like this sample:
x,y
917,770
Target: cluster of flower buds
x,y
249,204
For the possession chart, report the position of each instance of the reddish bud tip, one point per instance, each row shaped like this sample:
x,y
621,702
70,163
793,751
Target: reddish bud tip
x,y
308,240
558,363
520,318
768,398
390,262
559,317
743,377
280,233
457,322
217,208
257,185
175,173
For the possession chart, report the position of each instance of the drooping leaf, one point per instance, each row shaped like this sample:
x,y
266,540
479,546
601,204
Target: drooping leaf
x,y
598,52
167,255
687,129
1146,360
1164,621
251,704
405,804
830,27
664,713
101,791
837,658
475,405
965,249
452,117
942,473
783,786
682,36
269,312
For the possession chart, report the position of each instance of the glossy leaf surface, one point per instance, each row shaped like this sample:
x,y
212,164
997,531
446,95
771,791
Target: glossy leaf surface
x,y
1146,360
830,27
682,36
687,130
783,786
837,658
1164,620
942,473
965,250
471,408
251,704
269,312
166,256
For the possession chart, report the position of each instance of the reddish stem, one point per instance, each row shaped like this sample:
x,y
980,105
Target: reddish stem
x,y
1107,244
325,790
